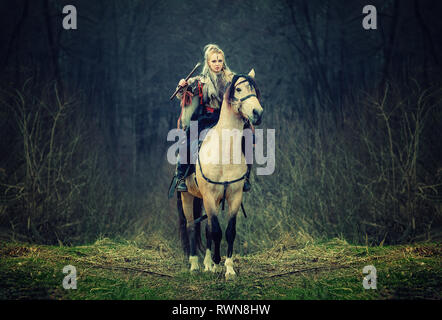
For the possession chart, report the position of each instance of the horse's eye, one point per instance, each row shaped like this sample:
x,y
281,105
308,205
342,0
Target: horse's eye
x,y
238,89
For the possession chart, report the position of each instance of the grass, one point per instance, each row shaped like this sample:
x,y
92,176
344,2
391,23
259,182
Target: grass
x,y
152,269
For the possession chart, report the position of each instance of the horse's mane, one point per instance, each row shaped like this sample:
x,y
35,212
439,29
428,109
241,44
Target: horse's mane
x,y
230,92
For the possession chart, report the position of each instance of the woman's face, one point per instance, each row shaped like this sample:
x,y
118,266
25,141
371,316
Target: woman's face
x,y
216,61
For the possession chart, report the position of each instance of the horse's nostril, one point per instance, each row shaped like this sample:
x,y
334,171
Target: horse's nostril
x,y
257,114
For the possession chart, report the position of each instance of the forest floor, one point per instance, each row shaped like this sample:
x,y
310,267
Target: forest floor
x,y
116,269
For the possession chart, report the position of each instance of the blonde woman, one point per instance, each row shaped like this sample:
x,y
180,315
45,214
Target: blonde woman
x,y
208,88
213,79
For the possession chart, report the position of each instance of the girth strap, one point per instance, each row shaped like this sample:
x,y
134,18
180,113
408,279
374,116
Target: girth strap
x,y
224,183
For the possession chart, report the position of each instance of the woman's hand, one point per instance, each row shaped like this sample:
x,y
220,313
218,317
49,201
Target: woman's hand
x,y
182,83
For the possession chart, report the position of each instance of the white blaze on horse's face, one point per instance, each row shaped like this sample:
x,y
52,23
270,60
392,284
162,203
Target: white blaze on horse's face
x,y
246,103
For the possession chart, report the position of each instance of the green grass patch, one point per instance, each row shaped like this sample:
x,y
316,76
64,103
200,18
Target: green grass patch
x,y
152,270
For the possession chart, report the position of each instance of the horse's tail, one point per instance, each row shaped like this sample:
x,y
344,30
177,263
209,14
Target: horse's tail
x,y
182,224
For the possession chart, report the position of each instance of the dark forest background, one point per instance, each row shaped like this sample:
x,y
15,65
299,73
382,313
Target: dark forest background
x,y
84,116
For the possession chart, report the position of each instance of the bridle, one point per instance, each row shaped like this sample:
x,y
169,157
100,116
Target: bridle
x,y
241,100
246,97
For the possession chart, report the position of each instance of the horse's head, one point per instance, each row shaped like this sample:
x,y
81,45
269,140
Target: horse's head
x,y
243,96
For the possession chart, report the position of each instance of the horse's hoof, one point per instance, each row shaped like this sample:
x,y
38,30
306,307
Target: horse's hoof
x,y
216,268
209,267
230,275
194,265
208,263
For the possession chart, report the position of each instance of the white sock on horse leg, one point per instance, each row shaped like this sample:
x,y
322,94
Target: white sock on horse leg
x,y
229,267
193,263
208,263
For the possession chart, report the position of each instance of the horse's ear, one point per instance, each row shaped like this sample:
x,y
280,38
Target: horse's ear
x,y
252,74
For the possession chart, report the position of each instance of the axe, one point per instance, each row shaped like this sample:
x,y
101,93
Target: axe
x,y
187,78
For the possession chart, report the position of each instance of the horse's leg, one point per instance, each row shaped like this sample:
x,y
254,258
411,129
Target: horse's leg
x,y
217,235
187,199
230,235
214,232
208,263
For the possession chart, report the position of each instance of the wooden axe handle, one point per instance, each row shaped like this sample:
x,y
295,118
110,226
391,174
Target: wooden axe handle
x,y
187,78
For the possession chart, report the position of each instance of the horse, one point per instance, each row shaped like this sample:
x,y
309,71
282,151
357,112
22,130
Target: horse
x,y
215,182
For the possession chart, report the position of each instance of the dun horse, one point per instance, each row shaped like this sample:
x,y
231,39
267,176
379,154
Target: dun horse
x,y
216,180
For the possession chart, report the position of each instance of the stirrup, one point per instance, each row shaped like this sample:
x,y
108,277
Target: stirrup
x,y
181,186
